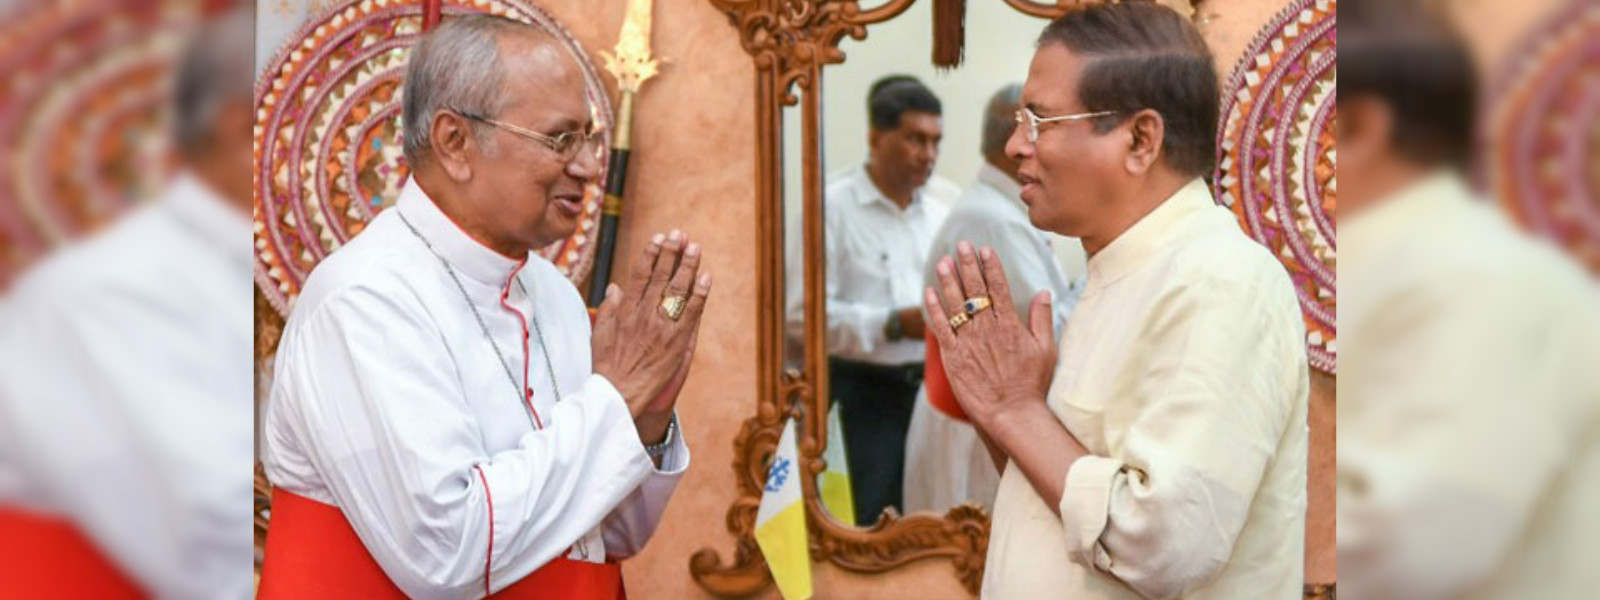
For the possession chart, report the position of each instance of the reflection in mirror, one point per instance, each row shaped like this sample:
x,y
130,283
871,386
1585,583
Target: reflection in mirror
x,y
793,242
915,161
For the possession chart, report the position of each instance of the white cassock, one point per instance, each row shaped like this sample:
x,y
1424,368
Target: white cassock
x,y
390,403
946,463
125,394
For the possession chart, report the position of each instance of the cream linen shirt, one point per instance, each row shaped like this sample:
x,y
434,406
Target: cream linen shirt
x,y
1469,406
1183,372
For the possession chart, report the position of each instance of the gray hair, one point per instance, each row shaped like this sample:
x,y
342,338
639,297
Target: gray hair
x,y
455,67
1000,118
212,70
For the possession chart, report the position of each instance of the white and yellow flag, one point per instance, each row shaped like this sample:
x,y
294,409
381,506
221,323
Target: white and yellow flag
x,y
781,521
834,483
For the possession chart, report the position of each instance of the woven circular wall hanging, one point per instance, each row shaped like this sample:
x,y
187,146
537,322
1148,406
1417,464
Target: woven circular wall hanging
x,y
1541,130
327,142
1277,158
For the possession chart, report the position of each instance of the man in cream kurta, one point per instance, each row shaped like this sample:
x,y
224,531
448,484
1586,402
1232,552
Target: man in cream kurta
x,y
1158,449
1469,398
1182,371
1474,467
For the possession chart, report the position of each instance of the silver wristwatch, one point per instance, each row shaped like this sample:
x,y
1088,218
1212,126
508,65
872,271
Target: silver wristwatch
x,y
657,450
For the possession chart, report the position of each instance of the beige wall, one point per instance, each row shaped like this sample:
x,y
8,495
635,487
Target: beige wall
x,y
694,169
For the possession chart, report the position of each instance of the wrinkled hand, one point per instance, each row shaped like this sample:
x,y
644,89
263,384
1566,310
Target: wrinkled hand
x,y
644,354
995,363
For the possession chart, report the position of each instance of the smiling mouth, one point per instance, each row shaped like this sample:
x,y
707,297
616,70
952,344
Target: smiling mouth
x,y
570,204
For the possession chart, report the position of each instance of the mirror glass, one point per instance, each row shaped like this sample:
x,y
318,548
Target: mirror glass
x,y
903,149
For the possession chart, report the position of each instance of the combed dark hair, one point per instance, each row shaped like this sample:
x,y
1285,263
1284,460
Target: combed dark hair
x,y
1142,55
893,95
1410,58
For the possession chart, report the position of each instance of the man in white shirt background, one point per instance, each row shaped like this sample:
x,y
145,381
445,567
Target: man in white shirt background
x,y
1469,401
443,423
879,223
946,465
1159,451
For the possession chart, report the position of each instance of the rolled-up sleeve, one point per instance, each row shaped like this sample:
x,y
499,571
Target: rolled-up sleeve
x,y
1211,400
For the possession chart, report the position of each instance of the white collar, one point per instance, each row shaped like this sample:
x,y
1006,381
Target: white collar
x,y
204,211
1370,231
452,243
867,192
1151,234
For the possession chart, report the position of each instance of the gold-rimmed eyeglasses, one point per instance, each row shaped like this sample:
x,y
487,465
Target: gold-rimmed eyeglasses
x,y
1026,117
566,144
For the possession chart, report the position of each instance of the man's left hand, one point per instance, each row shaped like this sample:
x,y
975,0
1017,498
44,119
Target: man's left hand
x,y
996,363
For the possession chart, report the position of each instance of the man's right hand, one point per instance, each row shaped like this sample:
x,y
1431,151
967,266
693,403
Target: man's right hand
x,y
911,322
636,346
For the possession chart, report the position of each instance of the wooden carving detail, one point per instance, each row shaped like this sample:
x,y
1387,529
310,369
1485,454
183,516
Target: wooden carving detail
x,y
790,41
794,38
1045,10
962,535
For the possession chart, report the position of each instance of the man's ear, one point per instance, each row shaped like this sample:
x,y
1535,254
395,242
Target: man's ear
x,y
1146,132
1366,126
452,142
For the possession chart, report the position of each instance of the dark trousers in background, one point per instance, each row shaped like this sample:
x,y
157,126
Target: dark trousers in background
x,y
875,404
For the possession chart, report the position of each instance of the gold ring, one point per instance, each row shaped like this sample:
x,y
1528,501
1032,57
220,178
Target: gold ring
x,y
673,306
976,304
960,319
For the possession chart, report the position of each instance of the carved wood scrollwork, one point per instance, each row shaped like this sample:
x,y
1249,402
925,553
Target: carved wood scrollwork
x,y
790,41
1046,11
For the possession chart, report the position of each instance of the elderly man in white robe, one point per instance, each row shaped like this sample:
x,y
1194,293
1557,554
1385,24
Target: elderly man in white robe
x,y
946,464
1160,450
125,378
444,424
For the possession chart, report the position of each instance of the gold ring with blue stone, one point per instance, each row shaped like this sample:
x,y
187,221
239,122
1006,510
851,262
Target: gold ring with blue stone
x,y
976,304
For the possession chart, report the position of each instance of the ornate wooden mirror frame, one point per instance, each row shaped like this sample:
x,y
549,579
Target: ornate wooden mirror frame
x,y
790,42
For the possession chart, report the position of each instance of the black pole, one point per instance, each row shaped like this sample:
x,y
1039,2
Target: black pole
x,y
610,214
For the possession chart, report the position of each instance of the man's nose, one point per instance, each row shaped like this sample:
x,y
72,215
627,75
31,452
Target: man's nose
x,y
1017,146
586,165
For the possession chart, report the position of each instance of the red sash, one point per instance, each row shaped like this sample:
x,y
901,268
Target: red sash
x,y
313,554
47,557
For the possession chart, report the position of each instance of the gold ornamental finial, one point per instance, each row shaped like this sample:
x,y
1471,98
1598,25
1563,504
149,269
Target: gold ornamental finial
x,y
630,62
